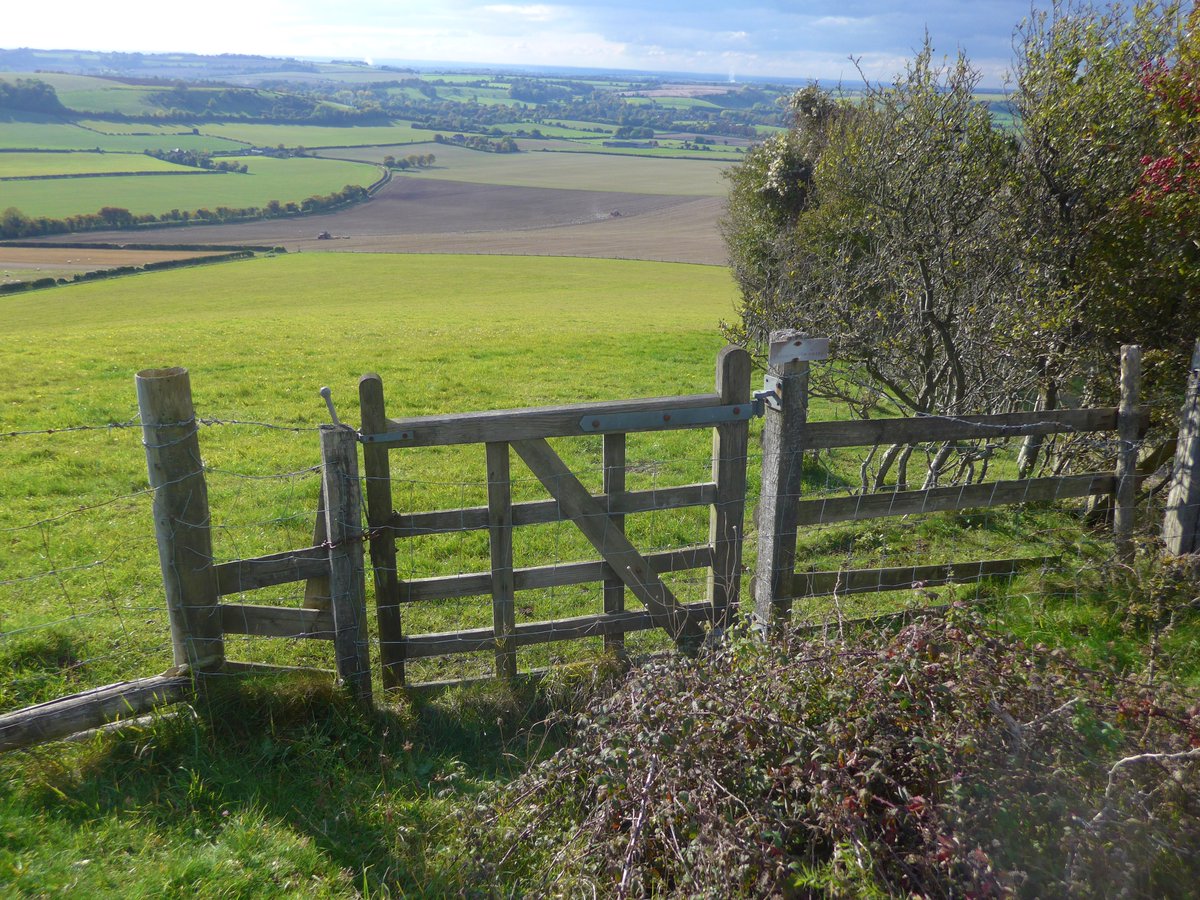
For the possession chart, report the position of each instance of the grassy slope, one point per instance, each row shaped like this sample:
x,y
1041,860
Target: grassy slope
x,y
286,808
259,339
279,795
268,179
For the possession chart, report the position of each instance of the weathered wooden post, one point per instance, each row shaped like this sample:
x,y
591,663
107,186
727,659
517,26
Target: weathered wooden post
x,y
783,433
1128,431
1181,525
500,542
347,584
181,517
383,540
613,483
726,521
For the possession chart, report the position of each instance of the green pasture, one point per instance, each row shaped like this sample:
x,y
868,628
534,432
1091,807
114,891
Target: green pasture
x,y
556,130
268,179
121,99
14,165
31,131
145,129
673,102
587,128
483,96
261,135
62,82
666,149
575,171
260,338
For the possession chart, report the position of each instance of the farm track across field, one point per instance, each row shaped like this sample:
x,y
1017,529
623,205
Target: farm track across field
x,y
423,215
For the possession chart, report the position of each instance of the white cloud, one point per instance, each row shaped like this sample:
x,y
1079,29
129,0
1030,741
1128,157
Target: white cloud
x,y
845,22
536,12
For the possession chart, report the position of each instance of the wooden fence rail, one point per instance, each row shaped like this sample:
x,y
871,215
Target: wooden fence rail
x,y
787,435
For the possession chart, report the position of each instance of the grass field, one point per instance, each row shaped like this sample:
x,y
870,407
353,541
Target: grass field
x,y
315,136
267,179
63,82
16,165
584,172
259,339
108,126
666,149
120,99
29,131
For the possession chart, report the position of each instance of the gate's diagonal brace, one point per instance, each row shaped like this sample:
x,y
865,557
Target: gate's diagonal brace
x,y
592,519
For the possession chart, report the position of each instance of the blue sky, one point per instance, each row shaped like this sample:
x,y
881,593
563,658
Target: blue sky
x,y
752,37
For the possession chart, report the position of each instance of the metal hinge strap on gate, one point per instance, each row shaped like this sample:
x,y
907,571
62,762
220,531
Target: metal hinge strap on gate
x,y
669,418
387,437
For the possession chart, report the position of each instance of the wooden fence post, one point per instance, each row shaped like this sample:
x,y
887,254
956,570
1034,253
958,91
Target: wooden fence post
x,y
181,517
1181,525
383,540
781,478
1128,431
347,585
613,483
726,523
500,542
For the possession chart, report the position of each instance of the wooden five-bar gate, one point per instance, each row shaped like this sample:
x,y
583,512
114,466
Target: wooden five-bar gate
x,y
601,519
335,600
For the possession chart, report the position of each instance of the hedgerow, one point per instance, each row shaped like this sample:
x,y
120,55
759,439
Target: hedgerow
x,y
942,760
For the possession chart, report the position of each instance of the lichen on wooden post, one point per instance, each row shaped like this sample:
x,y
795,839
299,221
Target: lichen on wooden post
x,y
347,583
727,515
1181,524
1129,433
181,517
790,356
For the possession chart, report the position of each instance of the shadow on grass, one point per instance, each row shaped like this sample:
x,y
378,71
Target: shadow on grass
x,y
378,794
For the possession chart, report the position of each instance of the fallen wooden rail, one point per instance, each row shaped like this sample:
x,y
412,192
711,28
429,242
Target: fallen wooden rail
x,y
90,709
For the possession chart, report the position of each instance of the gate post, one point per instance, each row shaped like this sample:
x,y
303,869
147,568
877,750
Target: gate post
x,y
783,455
181,517
383,541
1124,507
726,521
347,584
1181,525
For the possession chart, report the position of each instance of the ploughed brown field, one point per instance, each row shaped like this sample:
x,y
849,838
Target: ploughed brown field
x,y
425,215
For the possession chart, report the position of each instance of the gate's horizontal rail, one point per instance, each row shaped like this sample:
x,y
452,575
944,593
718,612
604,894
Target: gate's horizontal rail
x,y
537,422
268,571
476,584
426,645
972,496
277,621
927,429
543,512
869,581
